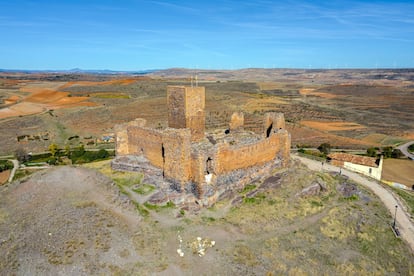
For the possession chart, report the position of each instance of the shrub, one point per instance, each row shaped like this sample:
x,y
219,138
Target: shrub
x,y
21,155
6,165
81,156
52,161
372,152
325,148
396,153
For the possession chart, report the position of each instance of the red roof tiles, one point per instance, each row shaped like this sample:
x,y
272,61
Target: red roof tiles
x,y
355,159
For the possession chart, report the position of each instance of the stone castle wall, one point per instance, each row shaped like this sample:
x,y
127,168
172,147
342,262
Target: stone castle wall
x,y
177,155
186,109
176,106
195,112
121,136
146,142
229,158
192,163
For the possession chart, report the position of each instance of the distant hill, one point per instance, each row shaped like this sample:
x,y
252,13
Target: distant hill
x,y
79,71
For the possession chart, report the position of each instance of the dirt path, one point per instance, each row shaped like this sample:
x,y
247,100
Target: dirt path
x,y
15,167
403,220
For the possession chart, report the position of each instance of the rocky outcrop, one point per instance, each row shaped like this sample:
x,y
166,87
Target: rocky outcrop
x,y
315,189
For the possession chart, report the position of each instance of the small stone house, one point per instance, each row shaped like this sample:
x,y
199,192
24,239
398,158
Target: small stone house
x,y
368,166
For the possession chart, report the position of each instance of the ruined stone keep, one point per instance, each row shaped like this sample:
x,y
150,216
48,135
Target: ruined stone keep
x,y
188,164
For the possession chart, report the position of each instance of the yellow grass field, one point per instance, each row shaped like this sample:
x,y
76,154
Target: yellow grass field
x,y
331,126
312,92
262,104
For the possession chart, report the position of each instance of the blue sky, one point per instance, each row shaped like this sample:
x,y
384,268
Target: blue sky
x,y
228,34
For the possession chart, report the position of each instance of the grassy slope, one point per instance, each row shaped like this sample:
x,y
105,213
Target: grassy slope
x,y
278,232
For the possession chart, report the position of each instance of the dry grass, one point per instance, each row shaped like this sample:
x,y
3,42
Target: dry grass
x,y
277,232
374,138
400,171
313,92
331,126
263,104
109,95
4,176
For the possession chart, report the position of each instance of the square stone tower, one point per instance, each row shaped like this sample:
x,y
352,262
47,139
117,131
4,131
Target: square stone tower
x,y
186,109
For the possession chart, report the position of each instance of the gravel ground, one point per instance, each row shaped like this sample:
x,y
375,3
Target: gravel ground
x,y
74,221
64,221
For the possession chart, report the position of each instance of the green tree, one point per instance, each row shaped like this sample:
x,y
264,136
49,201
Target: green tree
x,y
372,152
21,155
81,149
387,152
325,148
396,153
67,150
102,154
52,161
5,165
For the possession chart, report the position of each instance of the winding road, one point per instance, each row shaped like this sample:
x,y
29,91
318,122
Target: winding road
x,y
405,226
404,149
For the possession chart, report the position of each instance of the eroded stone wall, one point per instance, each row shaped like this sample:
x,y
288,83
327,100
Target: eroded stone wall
x,y
121,140
236,121
195,112
177,155
186,109
121,136
176,106
230,158
273,122
146,142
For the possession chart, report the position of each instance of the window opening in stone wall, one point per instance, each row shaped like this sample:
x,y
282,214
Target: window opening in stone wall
x,y
209,165
269,130
163,158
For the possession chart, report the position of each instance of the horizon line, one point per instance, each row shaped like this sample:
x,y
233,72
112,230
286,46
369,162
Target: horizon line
x,y
74,70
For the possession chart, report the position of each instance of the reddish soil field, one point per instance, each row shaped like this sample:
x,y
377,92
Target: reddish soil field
x,y
4,176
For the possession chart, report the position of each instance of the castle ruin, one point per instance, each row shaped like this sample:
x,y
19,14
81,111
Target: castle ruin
x,y
189,165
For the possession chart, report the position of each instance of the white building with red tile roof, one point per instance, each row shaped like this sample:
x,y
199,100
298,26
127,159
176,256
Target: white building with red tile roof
x,y
368,166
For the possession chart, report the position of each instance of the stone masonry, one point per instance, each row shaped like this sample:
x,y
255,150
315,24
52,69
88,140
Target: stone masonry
x,y
196,166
